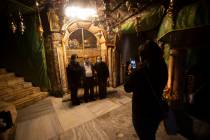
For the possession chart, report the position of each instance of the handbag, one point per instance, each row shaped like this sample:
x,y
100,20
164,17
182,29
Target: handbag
x,y
169,119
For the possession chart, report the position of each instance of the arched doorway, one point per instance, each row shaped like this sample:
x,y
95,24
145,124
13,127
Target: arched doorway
x,y
83,38
82,42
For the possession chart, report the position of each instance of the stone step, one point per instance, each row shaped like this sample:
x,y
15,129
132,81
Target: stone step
x,y
19,93
8,92
11,82
6,76
15,90
2,71
28,100
16,86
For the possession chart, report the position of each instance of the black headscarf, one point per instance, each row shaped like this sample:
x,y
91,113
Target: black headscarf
x,y
150,51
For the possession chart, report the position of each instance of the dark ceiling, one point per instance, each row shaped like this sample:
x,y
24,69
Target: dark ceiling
x,y
112,12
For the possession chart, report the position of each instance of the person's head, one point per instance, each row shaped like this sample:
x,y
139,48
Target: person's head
x,y
86,59
98,59
74,58
150,51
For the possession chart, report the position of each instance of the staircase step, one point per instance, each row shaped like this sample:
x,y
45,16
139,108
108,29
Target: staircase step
x,y
27,84
6,76
15,90
15,86
28,100
11,91
11,82
19,93
2,71
15,81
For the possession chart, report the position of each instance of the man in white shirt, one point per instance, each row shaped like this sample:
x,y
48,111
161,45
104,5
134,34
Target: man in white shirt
x,y
88,80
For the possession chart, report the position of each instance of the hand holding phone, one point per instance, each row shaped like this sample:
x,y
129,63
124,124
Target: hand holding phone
x,y
133,64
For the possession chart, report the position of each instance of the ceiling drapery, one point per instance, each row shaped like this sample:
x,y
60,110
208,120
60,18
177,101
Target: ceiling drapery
x,y
146,20
192,22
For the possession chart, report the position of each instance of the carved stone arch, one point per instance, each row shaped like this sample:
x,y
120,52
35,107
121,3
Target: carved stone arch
x,y
71,26
107,50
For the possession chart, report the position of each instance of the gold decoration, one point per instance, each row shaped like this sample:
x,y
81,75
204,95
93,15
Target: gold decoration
x,y
169,95
21,26
13,27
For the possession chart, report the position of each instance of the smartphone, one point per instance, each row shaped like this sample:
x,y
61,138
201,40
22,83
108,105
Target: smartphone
x,y
133,63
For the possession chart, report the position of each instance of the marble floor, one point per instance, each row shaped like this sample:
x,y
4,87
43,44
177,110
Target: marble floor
x,y
56,119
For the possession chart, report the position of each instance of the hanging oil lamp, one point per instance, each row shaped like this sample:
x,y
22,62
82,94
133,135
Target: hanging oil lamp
x,y
22,27
41,30
136,25
12,25
118,31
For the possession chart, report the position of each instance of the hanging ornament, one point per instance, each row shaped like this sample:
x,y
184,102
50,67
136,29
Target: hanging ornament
x,y
118,15
41,30
137,25
37,4
40,27
118,31
127,4
138,4
12,25
22,27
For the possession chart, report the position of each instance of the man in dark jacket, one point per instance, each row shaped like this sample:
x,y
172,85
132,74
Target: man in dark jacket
x,y
147,84
102,73
74,72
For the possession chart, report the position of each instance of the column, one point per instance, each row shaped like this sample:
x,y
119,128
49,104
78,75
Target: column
x,y
176,75
55,55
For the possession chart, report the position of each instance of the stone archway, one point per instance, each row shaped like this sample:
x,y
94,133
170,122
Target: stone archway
x,y
105,48
56,46
72,26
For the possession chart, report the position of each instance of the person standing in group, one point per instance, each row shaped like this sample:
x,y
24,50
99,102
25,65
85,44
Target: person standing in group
x,y
147,83
74,72
102,74
88,80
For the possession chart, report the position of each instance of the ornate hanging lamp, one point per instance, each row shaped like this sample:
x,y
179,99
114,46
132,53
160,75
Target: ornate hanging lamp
x,y
13,26
40,27
21,26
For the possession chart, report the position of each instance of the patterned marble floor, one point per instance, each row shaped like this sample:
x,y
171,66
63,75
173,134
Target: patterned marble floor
x,y
107,119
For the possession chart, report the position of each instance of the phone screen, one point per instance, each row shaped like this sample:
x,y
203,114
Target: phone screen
x,y
133,63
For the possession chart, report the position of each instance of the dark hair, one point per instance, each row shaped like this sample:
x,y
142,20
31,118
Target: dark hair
x,y
73,57
99,57
150,51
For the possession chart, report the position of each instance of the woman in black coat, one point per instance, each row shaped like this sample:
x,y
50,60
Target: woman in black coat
x,y
147,83
74,73
102,74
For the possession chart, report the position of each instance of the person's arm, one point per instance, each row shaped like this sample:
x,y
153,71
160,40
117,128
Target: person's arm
x,y
83,72
68,74
129,83
107,70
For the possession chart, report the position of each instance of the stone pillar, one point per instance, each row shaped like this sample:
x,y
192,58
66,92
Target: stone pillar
x,y
116,67
103,52
113,72
55,56
110,65
57,43
50,57
176,74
